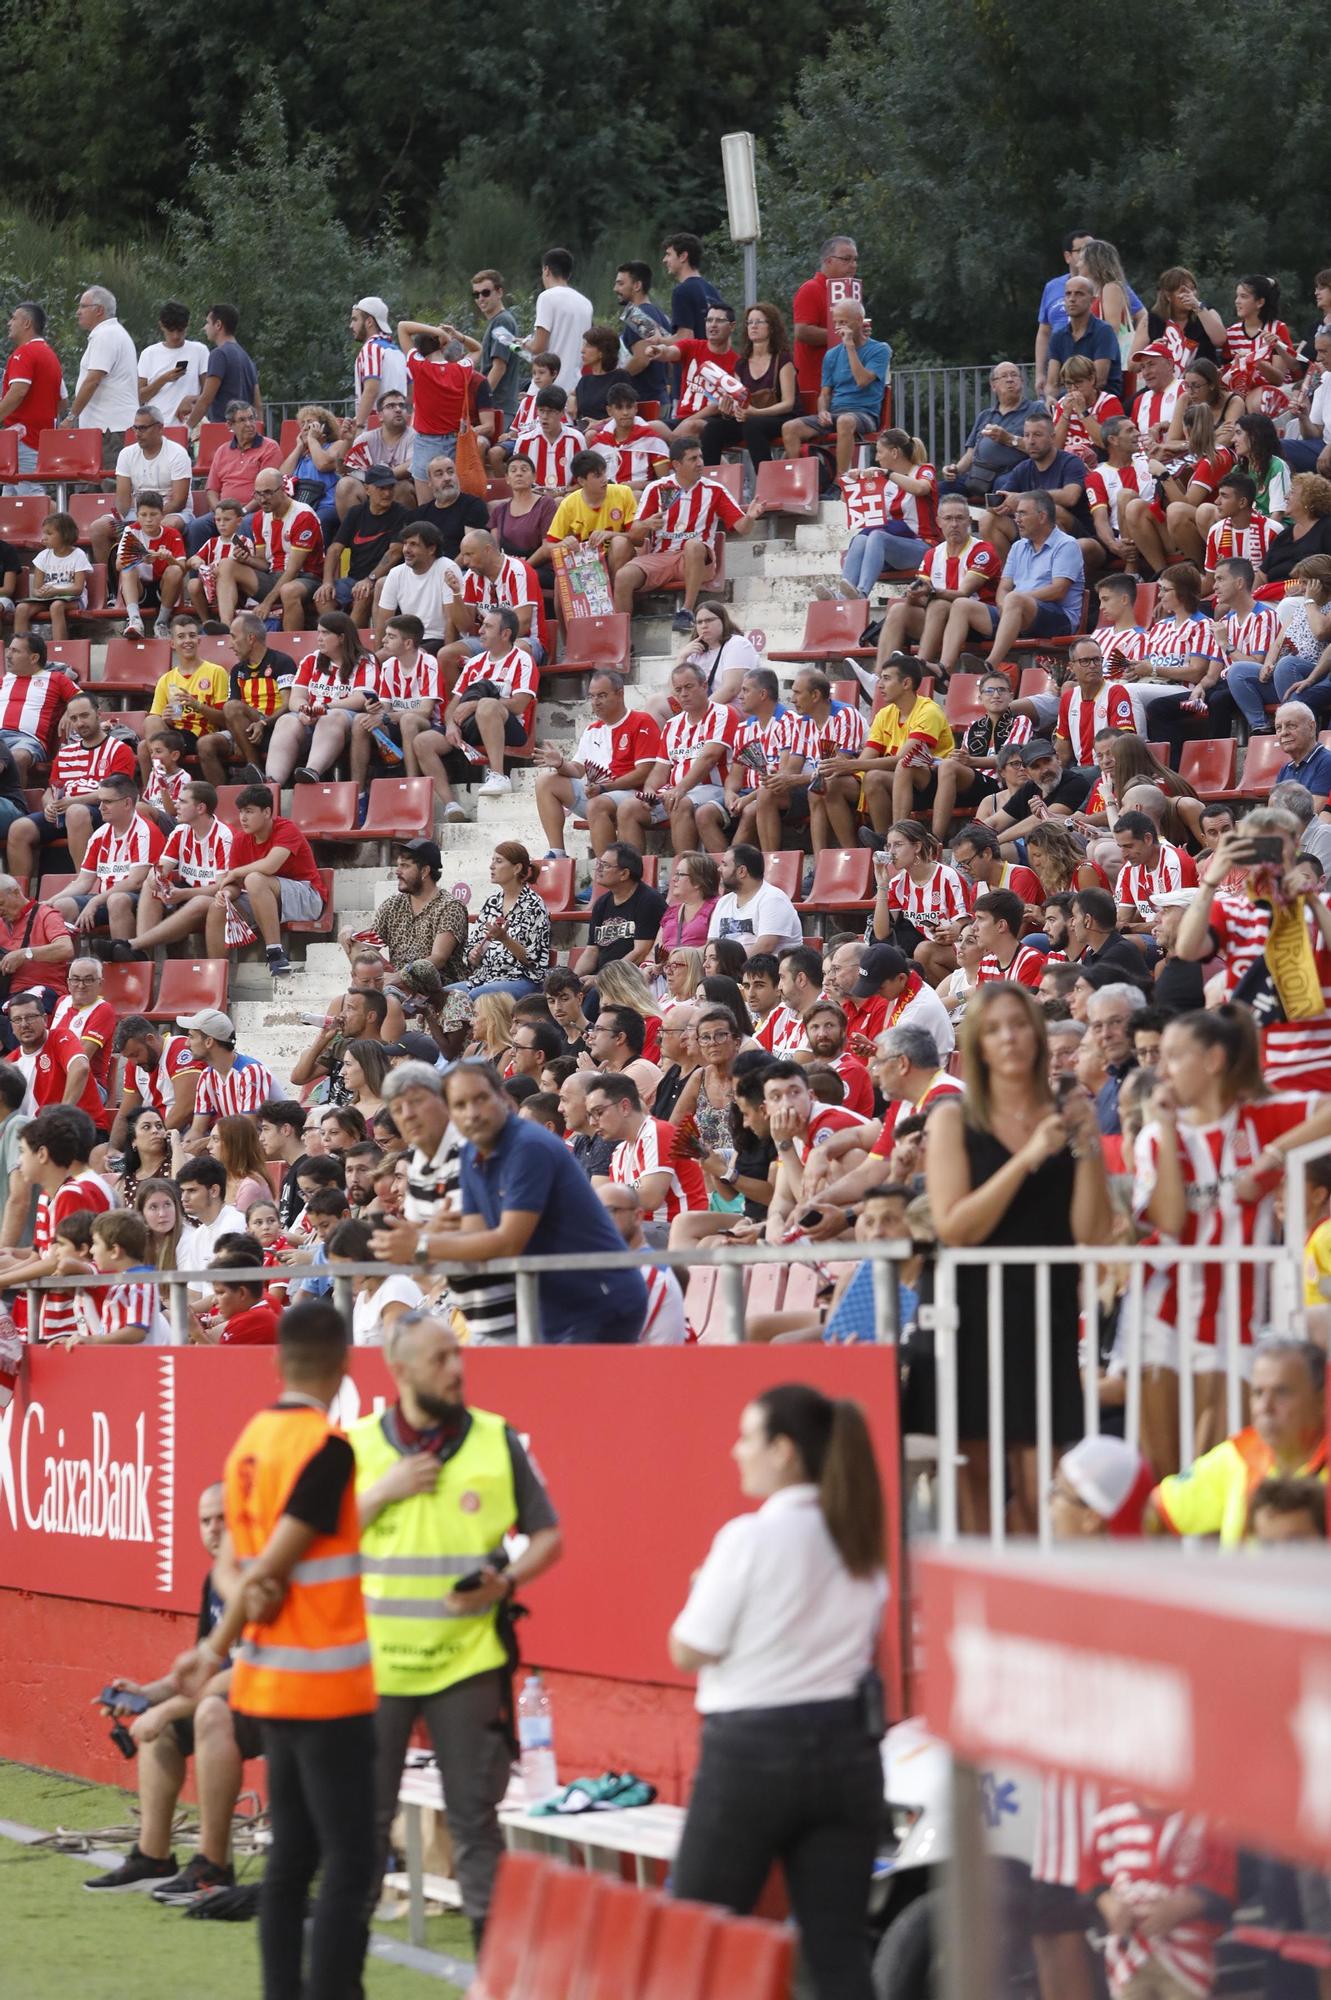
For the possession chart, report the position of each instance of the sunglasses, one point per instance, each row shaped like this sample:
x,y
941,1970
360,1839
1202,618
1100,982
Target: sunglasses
x,y
484,293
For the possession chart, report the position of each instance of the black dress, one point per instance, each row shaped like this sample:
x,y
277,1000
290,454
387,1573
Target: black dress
x,y
1040,1214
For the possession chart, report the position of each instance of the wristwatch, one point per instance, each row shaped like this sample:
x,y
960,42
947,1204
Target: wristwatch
x,y
27,951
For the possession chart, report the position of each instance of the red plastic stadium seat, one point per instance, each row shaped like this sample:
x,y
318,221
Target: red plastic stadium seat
x,y
134,666
614,1958
226,804
211,439
86,508
962,704
74,655
188,985
21,517
648,412
789,486
97,611
588,643
686,1937
783,872
1208,766
1034,680
53,885
520,1890
567,1924
295,644
9,453
848,692
326,810
832,630
650,865
289,434
63,456
842,880
1262,763
553,883
128,988
752,1957
321,926
729,476
400,809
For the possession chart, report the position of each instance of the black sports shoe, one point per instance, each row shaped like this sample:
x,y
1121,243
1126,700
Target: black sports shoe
x,y
199,1877
278,963
136,1871
248,774
868,838
303,775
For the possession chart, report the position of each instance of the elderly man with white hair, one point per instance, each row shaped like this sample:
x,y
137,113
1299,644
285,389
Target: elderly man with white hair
x,y
107,393
1315,838
850,402
88,1015
665,1324
1307,762
1109,1015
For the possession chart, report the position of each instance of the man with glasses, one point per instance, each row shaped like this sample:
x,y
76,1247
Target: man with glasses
x,y
625,914
681,1053
534,1044
289,547
615,1042
89,1017
496,352
450,510
1090,704
811,308
235,467
115,867
152,464
390,443
646,1156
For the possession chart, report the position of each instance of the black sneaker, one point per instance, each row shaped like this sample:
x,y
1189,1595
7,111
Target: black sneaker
x,y
199,1877
278,963
248,774
303,775
136,1871
868,838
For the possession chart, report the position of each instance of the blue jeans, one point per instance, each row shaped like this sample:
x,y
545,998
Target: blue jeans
x,y
873,550
1255,698
197,532
1302,454
27,462
519,988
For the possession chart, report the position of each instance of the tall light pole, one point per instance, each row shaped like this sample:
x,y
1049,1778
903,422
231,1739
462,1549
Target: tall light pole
x,y
737,163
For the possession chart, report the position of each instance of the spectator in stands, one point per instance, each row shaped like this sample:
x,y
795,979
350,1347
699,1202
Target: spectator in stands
x,y
626,913
379,366
595,515
288,559
358,1014
150,561
909,726
33,386
759,917
641,321
634,450
891,991
647,1155
1307,530
799,1124
994,443
159,1072
202,1184
59,581
273,879
600,373
1053,309
365,545
1042,589
680,1055
52,1059
811,309
230,378
1060,474
509,951
492,580
115,864
1314,837
422,920
234,468
107,391
692,294
449,509
1307,762
171,369
1082,333
1109,1013
34,940
854,378
1150,868
615,754
786,741
230,1085
486,719
424,585
695,883
281,1125
258,695
152,464
767,371
562,318
615,1041
683,516
33,700
905,532
389,444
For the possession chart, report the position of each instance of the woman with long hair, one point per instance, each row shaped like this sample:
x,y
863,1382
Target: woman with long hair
x,y
1205,1166
1256,452
782,1628
1259,347
724,955
148,1153
329,689
720,990
899,502
1006,1165
1187,473
695,886
681,975
1131,761
235,1142
509,946
158,1202
1199,329
365,1064
1204,389
767,370
622,985
1059,861
915,891
1178,650
314,462
1306,616
1100,262
492,1029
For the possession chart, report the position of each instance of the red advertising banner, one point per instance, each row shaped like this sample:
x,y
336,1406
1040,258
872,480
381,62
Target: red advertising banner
x,y
103,1456
1189,1676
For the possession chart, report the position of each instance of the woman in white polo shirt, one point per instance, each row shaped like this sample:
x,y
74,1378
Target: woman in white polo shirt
x,y
781,1627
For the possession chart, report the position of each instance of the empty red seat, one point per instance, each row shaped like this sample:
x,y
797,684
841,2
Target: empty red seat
x,y
97,610
51,886
962,704
1208,766
558,1941
128,988
750,1956
228,794
21,517
603,641
650,866
135,665
613,1963
188,985
64,456
842,880
1035,680
686,1936
848,692
326,810
731,477
832,630
74,655
789,486
519,1893
400,809
211,439
1263,761
783,872
86,508
290,432
553,883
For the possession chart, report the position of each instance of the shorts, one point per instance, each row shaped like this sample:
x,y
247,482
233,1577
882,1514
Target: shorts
x,y
266,580
80,902
1160,1349
824,422
1050,621
245,1727
663,569
301,902
19,739
51,832
426,447
658,815
531,644
150,589
1055,1908
515,733
342,589
706,795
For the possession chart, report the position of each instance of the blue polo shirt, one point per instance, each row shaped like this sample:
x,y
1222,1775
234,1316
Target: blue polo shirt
x,y
1314,772
531,1169
1054,314
1064,469
876,356
1027,568
1098,343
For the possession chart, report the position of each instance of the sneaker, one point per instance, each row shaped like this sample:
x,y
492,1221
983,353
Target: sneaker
x,y
585,893
199,1877
248,774
498,784
278,963
825,594
161,626
122,952
682,621
868,838
455,811
136,1871
303,775
134,628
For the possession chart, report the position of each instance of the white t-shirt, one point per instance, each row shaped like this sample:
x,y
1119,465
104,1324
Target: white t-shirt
x,y
113,402
181,388
424,597
926,1010
153,475
768,914
58,569
194,1252
366,1313
1319,410
566,316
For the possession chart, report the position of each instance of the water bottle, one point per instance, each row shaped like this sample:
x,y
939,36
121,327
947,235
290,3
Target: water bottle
x,y
536,1738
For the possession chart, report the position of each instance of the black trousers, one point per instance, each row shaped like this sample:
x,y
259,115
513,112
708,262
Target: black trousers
x,y
757,434
802,1786
321,1801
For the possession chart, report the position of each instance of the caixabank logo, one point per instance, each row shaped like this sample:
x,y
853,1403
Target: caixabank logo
x,y
94,1475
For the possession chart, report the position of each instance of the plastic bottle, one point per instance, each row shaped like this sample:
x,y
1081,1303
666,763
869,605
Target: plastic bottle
x,y
536,1739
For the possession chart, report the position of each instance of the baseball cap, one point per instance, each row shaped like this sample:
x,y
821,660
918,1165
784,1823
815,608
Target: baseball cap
x,y
426,852
379,475
377,309
1113,1479
1037,750
884,961
1161,349
210,1021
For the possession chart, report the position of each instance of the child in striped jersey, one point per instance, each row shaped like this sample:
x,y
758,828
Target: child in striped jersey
x,y
167,777
128,1313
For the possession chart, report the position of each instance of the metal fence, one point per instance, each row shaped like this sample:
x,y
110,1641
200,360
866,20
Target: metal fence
x,y
939,405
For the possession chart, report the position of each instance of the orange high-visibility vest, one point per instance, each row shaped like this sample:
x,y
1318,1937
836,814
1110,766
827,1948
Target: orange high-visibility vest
x,y
313,1661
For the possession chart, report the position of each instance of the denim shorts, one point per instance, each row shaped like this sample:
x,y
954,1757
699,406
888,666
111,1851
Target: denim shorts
x,y
426,448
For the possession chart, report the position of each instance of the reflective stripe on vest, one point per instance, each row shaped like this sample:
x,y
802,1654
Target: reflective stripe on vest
x,y
305,1659
320,1569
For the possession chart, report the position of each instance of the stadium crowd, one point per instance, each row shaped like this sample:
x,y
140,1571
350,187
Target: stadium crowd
x,y
1000,921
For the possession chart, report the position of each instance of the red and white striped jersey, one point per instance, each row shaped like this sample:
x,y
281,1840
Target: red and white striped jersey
x,y
782,1032
824,1120
517,584
1137,886
1250,636
35,703
1026,969
239,1094
1145,1855
1296,1055
940,1084
1172,640
153,1086
786,734
79,768
324,681
1115,707
1063,1818
1211,1158
685,739
1076,438
651,1152
1107,484
856,1082
110,855
135,1302
1153,407
843,733
59,1310
666,1324
631,459
703,512
198,857
1208,472
700,369
1244,350
944,898
946,571
987,735
298,528
1226,541
381,360
873,498
1127,643
516,674
552,457
399,685
164,787
95,1024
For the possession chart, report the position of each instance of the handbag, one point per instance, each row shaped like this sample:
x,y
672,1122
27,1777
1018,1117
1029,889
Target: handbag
x,y
467,458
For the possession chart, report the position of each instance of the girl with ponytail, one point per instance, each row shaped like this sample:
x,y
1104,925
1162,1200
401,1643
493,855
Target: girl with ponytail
x,y
782,1627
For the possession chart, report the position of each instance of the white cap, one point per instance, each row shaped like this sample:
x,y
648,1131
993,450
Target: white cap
x,y
1114,1481
377,310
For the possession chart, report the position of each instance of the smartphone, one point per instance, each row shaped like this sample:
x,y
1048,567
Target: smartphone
x,y
472,1581
1267,847
125,1701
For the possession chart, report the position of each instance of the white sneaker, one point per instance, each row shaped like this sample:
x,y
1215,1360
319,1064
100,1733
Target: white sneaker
x,y
454,811
495,786
134,628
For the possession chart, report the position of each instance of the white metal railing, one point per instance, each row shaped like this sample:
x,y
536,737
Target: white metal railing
x,y
939,405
